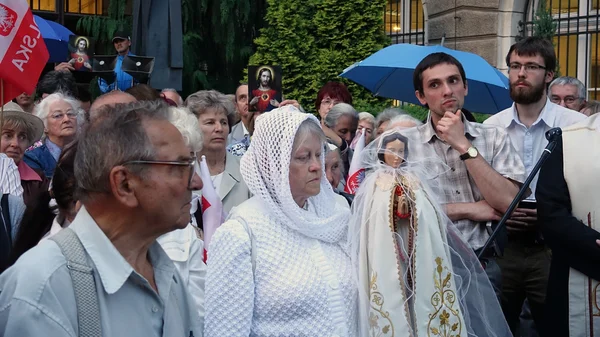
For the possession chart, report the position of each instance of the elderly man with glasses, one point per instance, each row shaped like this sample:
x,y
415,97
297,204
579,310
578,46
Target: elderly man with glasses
x,y
568,92
106,274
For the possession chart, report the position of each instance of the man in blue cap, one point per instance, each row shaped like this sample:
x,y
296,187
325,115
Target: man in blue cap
x,y
123,81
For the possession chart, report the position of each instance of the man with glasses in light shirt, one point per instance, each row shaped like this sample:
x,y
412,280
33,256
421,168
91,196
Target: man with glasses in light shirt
x,y
568,92
526,261
133,189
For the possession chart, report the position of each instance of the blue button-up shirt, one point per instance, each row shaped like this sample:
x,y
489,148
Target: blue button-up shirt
x,y
123,79
529,142
37,297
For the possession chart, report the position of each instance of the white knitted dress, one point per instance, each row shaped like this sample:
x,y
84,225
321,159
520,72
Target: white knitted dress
x,y
300,286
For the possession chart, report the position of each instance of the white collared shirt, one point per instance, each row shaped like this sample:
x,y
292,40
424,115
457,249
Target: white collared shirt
x,y
530,142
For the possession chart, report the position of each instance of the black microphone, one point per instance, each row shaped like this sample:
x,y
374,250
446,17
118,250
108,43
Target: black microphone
x,y
553,134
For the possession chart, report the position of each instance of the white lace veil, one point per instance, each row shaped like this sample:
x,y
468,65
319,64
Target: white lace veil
x,y
265,168
479,307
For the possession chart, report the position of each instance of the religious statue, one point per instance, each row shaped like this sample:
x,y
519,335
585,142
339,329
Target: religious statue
x,y
412,264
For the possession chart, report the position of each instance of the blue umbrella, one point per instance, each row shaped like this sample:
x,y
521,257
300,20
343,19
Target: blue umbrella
x,y
56,38
389,72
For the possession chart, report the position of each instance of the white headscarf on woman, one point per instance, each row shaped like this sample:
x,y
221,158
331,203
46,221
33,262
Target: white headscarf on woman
x,y
265,168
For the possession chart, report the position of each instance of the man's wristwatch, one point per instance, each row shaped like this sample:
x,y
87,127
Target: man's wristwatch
x,y
471,153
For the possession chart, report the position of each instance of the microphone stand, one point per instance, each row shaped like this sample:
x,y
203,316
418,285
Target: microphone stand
x,y
552,135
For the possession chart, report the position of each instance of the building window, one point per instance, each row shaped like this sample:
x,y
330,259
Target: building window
x,y
84,6
397,16
593,84
566,53
563,6
577,39
404,21
43,5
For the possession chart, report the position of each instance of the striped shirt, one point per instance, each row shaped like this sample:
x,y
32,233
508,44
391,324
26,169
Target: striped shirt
x,y
10,180
452,182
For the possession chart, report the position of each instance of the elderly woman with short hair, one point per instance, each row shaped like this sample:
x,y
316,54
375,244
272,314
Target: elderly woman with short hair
x,y
339,127
60,116
383,119
366,124
19,131
215,113
279,266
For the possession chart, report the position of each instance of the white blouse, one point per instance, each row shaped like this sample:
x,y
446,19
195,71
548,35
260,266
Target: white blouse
x,y
296,286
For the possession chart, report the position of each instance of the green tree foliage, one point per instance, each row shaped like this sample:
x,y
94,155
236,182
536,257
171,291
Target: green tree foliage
x,y
217,41
315,40
543,23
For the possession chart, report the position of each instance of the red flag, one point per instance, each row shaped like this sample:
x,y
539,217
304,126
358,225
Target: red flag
x,y
212,207
356,172
23,52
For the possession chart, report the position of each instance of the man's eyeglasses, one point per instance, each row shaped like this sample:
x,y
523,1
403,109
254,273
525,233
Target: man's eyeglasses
x,y
191,163
529,67
59,115
329,102
567,100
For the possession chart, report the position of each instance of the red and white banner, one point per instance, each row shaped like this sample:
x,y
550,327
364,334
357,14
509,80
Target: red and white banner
x,y
356,173
23,53
212,207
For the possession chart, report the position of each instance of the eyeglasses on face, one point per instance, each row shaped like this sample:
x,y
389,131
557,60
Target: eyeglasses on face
x,y
59,115
529,67
191,163
567,100
329,102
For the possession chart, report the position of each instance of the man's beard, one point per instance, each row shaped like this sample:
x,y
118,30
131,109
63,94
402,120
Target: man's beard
x,y
526,95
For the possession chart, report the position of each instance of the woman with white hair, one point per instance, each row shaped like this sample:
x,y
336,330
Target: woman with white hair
x,y
401,121
215,112
366,124
279,266
184,246
60,116
383,119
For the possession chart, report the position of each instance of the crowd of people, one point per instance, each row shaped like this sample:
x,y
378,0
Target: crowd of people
x,y
102,230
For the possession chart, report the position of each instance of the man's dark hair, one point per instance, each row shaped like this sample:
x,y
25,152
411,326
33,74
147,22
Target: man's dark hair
x,y
431,61
57,81
533,46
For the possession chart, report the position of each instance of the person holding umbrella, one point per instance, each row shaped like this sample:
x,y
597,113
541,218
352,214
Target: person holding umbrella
x,y
484,172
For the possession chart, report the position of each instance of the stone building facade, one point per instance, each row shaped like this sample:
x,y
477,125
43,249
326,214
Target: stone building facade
x,y
489,27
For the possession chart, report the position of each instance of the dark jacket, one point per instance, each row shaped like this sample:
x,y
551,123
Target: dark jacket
x,y
573,243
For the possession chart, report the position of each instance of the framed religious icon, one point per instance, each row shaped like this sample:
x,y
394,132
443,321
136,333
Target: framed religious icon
x,y
81,52
264,87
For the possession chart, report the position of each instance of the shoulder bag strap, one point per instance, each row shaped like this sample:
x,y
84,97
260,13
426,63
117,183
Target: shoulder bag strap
x,y
84,286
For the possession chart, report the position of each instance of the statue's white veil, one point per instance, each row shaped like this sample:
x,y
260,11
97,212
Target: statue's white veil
x,y
477,307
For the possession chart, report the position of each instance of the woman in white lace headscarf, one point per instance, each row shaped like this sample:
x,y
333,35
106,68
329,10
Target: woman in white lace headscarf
x,y
278,266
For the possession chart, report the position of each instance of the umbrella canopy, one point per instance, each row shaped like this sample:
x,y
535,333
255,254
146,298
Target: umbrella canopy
x,y
56,38
389,72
